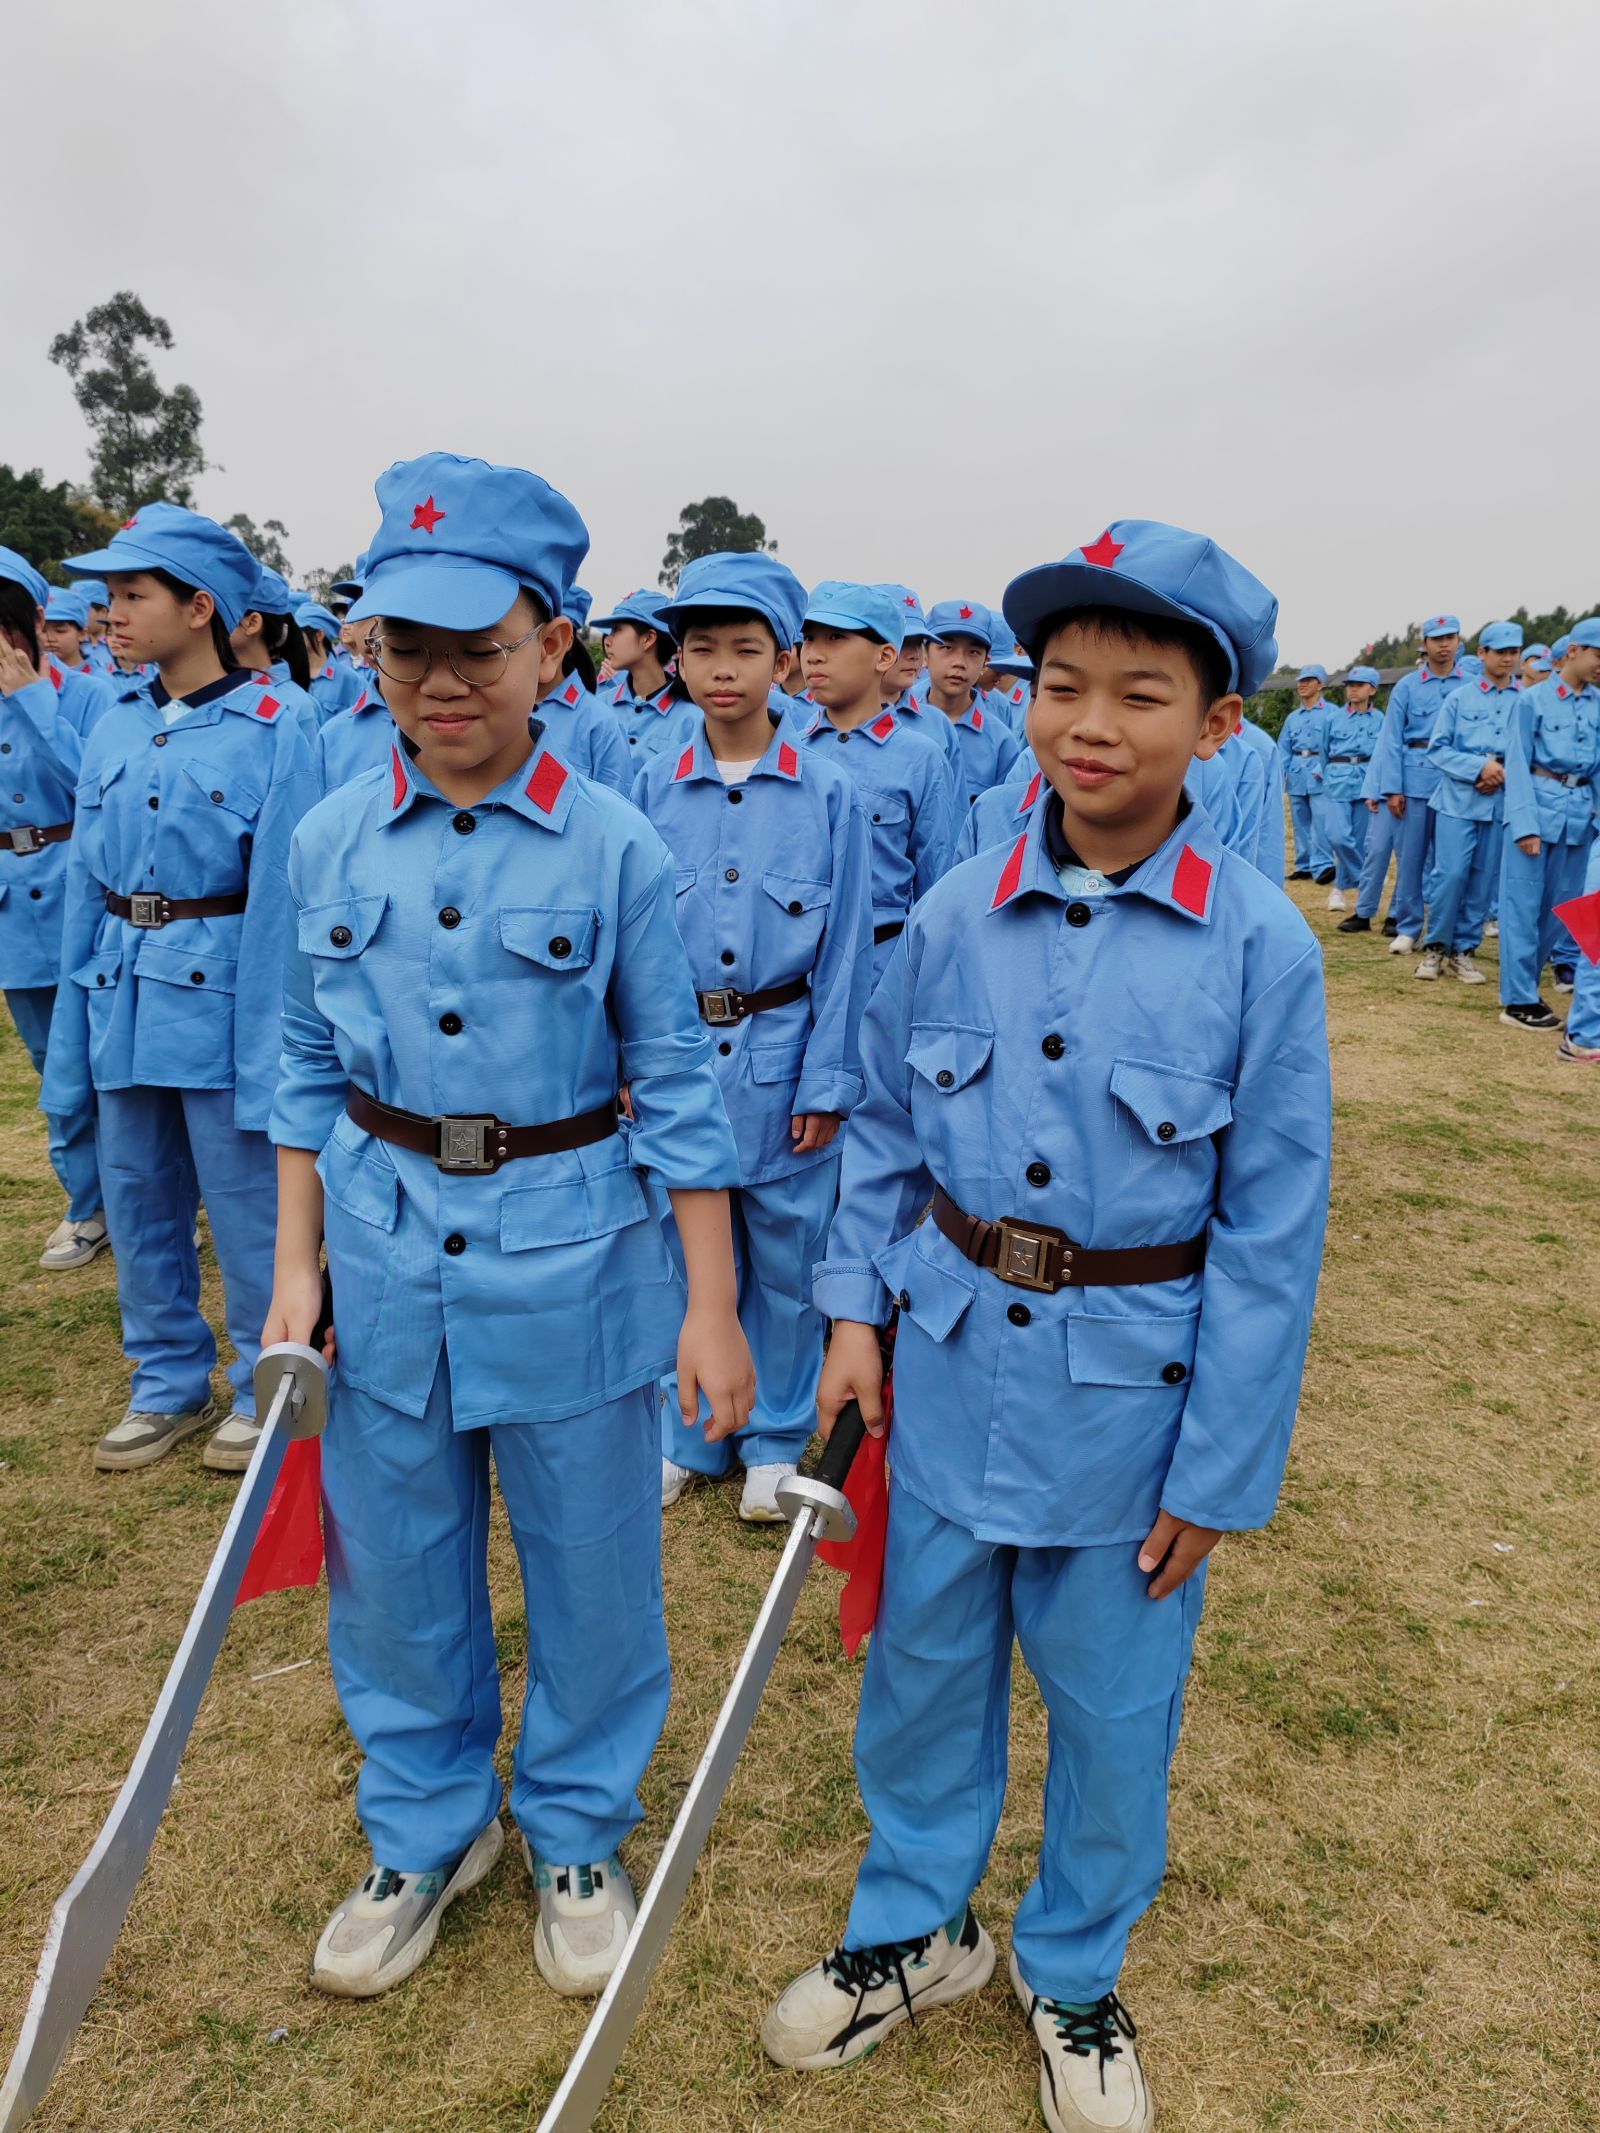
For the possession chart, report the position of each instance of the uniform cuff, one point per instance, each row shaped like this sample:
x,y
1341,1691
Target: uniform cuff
x,y
840,1289
828,1092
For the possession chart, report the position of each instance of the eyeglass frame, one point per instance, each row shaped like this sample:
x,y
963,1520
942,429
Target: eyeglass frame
x,y
372,644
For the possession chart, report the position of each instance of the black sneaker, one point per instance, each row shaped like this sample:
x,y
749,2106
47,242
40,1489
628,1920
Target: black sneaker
x,y
1391,926
1301,874
1530,1014
1326,876
1566,976
1355,923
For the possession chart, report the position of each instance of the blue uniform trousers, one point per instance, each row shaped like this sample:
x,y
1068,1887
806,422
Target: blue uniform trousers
x,y
1344,835
1413,845
1310,854
72,1155
1529,888
931,1739
411,1631
1583,1017
1465,855
163,1152
780,1231
1382,836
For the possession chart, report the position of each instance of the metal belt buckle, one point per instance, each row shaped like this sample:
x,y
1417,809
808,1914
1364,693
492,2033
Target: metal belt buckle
x,y
1024,1255
25,838
147,910
462,1143
721,1009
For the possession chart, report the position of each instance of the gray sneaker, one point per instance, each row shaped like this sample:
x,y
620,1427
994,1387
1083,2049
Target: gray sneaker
x,y
73,1244
585,1915
232,1448
384,1929
142,1437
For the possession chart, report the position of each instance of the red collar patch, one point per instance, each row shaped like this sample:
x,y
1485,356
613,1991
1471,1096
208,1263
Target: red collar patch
x,y
1011,875
884,726
425,517
1562,690
1032,793
977,717
544,787
57,677
1016,694
362,702
402,784
663,702
685,764
1104,552
267,707
1191,881
569,694
788,761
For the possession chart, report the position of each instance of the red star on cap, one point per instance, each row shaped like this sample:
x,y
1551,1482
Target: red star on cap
x,y
911,599
1104,552
426,517
127,522
965,614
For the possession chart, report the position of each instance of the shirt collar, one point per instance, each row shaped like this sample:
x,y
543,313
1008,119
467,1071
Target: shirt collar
x,y
540,789
880,729
781,759
1180,874
212,693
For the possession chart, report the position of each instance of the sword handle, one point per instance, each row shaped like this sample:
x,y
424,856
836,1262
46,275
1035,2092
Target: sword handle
x,y
319,1331
839,1453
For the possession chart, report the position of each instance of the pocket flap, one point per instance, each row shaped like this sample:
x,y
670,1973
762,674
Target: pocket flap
x,y
193,968
796,894
1132,1351
343,928
932,1296
1169,1102
948,1054
92,790
571,1209
884,806
774,1063
560,936
103,969
358,1175
224,787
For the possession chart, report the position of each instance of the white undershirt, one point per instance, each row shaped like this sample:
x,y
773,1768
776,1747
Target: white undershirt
x,y
735,773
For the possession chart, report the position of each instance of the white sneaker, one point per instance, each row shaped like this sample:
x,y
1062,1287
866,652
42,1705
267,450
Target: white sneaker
x,y
758,1506
1466,969
674,1480
585,1915
1090,2079
1403,944
233,1447
73,1244
1336,899
1429,963
848,2003
1491,932
384,1929
143,1436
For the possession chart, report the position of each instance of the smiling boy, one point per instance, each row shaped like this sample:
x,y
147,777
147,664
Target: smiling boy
x,y
1101,1051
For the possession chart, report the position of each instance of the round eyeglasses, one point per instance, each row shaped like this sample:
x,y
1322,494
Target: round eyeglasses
x,y
480,666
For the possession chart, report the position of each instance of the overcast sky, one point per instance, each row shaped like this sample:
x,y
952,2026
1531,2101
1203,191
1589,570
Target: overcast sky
x,y
937,288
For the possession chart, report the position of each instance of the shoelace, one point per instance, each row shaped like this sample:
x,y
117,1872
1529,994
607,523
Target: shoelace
x,y
1096,2031
589,1879
864,1970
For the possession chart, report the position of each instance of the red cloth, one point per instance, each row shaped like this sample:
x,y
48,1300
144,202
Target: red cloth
x,y
861,1559
1581,917
288,1549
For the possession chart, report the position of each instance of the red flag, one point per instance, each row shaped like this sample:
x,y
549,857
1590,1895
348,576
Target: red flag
x,y
1581,917
861,1559
288,1549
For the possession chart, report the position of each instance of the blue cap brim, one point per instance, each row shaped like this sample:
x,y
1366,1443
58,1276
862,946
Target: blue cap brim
x,y
1056,588
728,603
446,592
1012,663
349,589
128,557
836,618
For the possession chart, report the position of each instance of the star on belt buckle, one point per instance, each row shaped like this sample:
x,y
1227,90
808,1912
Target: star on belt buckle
x,y
147,909
463,1144
1032,1256
721,1009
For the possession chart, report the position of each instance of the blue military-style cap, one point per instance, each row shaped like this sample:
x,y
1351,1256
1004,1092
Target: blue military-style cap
x,y
1442,625
959,618
1017,664
642,607
842,604
350,588
67,604
1312,673
1541,663
461,538
96,591
1153,569
759,584
1366,674
312,615
186,544
914,623
1536,651
1558,650
1586,632
19,571
577,605
272,595
1471,665
1500,637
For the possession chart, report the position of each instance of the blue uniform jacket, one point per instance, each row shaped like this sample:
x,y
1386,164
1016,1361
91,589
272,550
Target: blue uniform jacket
x,y
1556,728
1344,734
519,958
42,730
988,748
1270,855
1400,760
909,804
651,725
587,736
912,710
998,815
355,740
336,686
203,807
1470,731
774,882
1012,704
1135,1067
1300,751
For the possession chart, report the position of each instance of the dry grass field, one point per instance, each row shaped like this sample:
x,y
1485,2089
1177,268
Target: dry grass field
x,y
1383,1909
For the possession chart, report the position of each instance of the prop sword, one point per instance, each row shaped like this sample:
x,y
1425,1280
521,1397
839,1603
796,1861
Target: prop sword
x,y
292,1395
817,1510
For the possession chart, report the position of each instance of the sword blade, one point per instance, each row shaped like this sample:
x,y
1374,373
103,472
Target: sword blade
x,y
587,2079
88,1917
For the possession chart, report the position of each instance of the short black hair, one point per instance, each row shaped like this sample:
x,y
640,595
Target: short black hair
x,y
1125,625
19,613
220,640
712,618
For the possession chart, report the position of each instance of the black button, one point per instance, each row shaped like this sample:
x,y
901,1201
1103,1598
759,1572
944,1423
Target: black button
x,y
1019,1314
197,977
724,1047
35,894
341,936
735,796
945,1078
795,908
161,740
732,874
1053,1046
1166,1131
560,946
1037,1173
1078,914
726,956
151,802
464,824
217,798
449,916
100,977
20,797
904,1299
450,1024
5,747
1174,1373
877,818
455,1244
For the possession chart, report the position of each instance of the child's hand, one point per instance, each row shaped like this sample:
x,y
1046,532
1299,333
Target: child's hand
x,y
1397,805
714,1359
1529,845
1372,807
1175,1549
812,1130
851,1370
17,670
1491,777
294,1310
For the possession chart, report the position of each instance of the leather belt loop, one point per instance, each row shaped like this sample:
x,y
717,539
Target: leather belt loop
x,y
475,1144
724,1008
1035,1255
151,909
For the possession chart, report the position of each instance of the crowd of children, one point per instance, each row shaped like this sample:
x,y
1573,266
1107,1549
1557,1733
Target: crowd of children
x,y
578,1015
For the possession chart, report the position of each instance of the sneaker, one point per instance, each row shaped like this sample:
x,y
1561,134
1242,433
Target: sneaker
x,y
585,1916
142,1437
73,1244
1466,968
384,1929
1566,1049
1326,877
1530,1014
1491,932
674,1480
1566,976
233,1447
1336,899
1402,944
758,1506
1429,963
1354,924
1090,2079
847,2004
1301,874
1391,928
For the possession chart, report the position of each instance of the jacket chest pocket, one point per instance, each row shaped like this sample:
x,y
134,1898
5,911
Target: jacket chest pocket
x,y
887,812
1172,1106
557,937
220,790
948,1059
340,931
796,910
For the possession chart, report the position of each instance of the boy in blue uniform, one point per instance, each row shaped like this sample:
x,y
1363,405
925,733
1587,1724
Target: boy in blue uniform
x,y
1346,741
851,637
335,683
634,679
1300,750
774,881
487,955
1552,762
95,648
1103,1052
904,687
1468,750
958,652
1403,778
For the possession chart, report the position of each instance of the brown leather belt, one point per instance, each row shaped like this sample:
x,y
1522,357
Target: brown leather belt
x,y
1561,777
476,1145
157,910
29,837
723,1009
1348,759
1031,1255
880,934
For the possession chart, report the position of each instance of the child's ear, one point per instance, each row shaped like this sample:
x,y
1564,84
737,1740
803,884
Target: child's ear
x,y
1220,720
555,641
782,667
887,656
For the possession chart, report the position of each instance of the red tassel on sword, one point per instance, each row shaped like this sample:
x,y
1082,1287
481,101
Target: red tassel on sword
x,y
1581,917
288,1549
861,1559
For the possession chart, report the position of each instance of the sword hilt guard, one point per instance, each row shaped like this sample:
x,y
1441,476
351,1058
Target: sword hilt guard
x,y
821,1495
307,1413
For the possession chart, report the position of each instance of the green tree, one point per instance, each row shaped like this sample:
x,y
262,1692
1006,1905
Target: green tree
x,y
147,441
320,583
264,542
714,526
45,522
